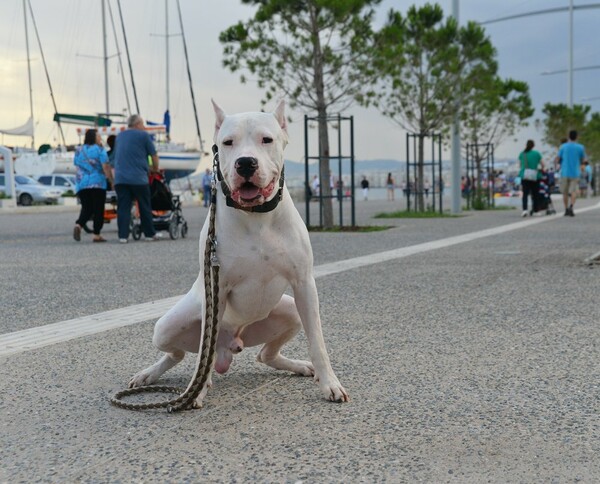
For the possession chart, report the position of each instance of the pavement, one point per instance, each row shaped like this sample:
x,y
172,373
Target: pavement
x,y
469,347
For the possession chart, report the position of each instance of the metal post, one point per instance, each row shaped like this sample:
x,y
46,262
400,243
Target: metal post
x,y
407,182
491,151
29,76
352,170
167,49
441,182
467,160
570,81
306,171
9,174
339,188
105,56
432,185
455,144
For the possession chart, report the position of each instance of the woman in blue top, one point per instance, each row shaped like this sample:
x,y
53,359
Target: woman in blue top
x,y
93,171
530,173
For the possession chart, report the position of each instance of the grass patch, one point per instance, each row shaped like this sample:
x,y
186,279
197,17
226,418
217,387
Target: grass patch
x,y
497,207
350,228
413,214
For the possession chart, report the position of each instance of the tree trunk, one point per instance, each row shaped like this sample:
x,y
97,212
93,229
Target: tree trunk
x,y
325,171
479,193
420,171
319,85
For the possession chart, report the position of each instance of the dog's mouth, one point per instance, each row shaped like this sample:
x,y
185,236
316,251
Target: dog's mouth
x,y
248,194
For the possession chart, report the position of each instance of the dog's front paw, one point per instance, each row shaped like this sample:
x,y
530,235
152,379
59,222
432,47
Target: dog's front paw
x,y
199,401
301,367
280,362
333,390
143,378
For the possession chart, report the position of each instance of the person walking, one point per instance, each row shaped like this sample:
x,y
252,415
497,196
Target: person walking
x,y
570,157
315,185
206,186
134,149
364,184
390,187
530,174
110,141
587,175
93,171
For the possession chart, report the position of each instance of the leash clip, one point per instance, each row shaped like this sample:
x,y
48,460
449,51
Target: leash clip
x,y
214,260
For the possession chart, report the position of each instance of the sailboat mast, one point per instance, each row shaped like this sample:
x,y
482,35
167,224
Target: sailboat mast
x,y
39,42
104,42
167,50
187,63
29,74
137,104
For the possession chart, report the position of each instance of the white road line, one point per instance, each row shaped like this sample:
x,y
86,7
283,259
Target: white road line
x,y
30,339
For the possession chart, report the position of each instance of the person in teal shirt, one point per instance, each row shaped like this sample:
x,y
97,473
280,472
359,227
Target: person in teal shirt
x,y
93,173
530,174
570,156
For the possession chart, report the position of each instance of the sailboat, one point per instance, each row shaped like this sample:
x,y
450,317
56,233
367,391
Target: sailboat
x,y
176,160
27,161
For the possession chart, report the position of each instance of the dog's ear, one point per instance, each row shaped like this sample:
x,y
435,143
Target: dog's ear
x,y
279,114
219,115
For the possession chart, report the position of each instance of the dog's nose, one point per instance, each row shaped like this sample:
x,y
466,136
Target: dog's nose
x,y
246,166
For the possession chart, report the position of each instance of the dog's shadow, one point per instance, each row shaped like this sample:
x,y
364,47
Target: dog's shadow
x,y
243,380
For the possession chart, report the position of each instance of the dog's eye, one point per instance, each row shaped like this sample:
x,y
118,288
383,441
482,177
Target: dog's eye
x,y
267,140
228,142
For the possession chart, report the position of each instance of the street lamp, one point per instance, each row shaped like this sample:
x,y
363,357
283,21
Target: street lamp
x,y
571,8
455,147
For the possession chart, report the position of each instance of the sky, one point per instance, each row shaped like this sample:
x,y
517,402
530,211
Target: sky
x,y
71,36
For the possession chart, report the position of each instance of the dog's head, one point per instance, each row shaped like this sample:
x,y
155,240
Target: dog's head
x,y
251,153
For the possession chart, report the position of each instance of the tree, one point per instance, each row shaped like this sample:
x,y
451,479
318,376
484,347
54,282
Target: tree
x,y
559,120
307,50
592,138
424,64
492,110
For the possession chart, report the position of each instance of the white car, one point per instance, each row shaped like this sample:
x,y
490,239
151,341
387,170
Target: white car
x,y
61,182
30,191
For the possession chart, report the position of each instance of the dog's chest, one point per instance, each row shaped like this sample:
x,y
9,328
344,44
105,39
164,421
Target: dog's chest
x,y
255,274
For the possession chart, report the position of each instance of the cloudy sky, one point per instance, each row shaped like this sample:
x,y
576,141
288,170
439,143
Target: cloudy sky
x,y
70,31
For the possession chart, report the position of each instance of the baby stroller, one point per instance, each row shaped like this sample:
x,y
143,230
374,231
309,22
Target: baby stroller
x,y
545,189
166,211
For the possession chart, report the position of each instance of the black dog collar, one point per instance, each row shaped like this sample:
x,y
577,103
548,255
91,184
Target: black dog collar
x,y
265,207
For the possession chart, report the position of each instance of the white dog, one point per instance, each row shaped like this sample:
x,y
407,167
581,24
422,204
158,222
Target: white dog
x,y
263,248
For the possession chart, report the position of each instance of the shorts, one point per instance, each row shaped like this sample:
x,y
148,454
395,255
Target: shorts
x,y
569,185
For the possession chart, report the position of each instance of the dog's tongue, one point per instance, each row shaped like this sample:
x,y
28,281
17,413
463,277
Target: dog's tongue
x,y
249,191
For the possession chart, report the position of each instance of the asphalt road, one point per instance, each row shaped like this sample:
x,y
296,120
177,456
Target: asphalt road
x,y
476,362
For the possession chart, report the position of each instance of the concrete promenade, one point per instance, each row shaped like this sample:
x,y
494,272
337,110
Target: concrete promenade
x,y
470,348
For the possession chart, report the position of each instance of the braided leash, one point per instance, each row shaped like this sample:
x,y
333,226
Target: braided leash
x,y
206,354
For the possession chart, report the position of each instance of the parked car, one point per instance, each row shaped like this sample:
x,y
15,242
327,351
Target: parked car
x,y
65,183
30,191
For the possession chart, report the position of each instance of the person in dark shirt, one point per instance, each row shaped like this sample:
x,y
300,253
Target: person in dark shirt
x,y
134,149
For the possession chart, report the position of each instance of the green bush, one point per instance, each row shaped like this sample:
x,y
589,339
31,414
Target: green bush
x,y
480,200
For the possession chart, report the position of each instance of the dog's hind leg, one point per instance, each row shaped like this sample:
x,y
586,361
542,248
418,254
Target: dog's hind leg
x,y
175,333
282,324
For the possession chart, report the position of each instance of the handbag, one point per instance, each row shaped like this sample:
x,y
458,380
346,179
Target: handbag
x,y
529,174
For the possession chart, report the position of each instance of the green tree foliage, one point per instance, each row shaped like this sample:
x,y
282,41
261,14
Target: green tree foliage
x,y
424,65
492,110
592,138
307,51
559,119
